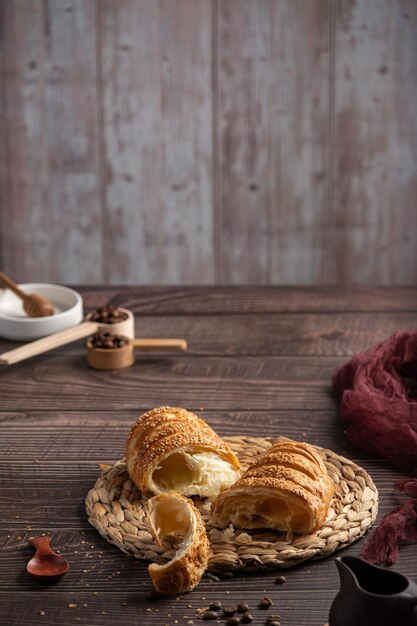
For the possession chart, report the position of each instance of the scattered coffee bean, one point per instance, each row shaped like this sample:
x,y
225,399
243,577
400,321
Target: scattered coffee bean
x,y
229,610
274,623
107,341
246,618
242,607
273,618
215,606
107,315
225,575
280,580
265,603
233,621
209,615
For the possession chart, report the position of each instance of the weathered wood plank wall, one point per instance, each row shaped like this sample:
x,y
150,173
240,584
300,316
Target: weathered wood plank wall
x,y
209,141
272,103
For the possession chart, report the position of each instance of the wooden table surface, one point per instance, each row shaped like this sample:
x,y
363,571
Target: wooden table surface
x,y
259,362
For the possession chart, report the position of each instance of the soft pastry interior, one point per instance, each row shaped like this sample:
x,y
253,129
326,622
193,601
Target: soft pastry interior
x,y
198,473
281,512
287,488
172,515
170,448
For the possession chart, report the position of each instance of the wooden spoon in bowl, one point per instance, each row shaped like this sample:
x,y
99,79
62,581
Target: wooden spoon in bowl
x,y
46,563
33,304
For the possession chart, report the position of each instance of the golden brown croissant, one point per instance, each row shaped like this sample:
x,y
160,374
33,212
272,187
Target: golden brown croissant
x,y
285,488
175,515
172,449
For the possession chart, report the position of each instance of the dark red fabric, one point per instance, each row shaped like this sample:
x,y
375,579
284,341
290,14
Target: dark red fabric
x,y
398,526
408,485
378,390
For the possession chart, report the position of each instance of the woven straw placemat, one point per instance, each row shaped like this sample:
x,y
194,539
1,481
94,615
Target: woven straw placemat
x,y
115,508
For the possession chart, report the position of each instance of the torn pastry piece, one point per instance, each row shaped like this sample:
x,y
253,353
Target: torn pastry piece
x,y
285,488
171,449
173,515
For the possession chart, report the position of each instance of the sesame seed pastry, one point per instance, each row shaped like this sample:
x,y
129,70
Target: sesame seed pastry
x,y
171,514
171,449
286,488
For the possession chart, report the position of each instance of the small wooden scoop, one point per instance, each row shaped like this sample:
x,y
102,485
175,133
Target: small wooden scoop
x,y
117,358
46,563
33,304
64,337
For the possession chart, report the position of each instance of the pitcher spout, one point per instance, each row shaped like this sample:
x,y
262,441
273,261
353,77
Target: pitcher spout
x,y
348,579
365,589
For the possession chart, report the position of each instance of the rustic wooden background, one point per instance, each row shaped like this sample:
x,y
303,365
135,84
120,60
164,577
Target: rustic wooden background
x,y
209,141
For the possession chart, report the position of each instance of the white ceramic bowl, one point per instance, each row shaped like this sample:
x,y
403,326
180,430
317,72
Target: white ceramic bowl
x,y
15,324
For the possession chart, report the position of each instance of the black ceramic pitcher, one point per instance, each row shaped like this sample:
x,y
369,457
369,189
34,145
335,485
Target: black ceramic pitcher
x,y
372,596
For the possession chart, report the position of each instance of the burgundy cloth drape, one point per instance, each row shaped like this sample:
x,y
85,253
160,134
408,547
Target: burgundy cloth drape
x,y
378,390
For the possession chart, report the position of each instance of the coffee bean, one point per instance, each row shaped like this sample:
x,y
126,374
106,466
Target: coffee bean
x,y
246,618
273,618
280,580
107,315
233,621
265,603
229,610
242,607
209,615
215,606
274,623
107,341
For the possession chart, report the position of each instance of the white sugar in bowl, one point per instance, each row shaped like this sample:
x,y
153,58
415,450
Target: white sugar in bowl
x,y
16,325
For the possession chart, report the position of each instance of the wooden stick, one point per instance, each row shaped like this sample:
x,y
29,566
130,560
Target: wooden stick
x,y
48,343
34,305
159,344
12,286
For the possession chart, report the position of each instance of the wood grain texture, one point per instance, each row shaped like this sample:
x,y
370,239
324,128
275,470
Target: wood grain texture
x,y
244,300
22,159
272,137
50,209
157,127
183,142
265,382
375,143
71,102
59,421
286,334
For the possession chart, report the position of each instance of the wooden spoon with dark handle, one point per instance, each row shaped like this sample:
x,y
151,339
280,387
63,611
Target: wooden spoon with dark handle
x,y
33,304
